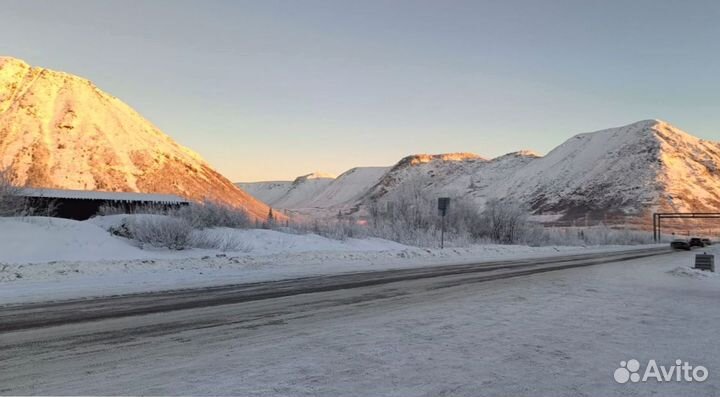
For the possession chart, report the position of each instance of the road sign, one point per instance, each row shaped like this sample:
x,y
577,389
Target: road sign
x,y
443,204
705,262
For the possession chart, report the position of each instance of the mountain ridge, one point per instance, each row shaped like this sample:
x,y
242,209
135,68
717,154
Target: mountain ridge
x,y
622,172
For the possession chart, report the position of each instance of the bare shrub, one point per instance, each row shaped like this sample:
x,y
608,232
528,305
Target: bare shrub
x,y
582,236
410,216
207,214
181,227
413,219
505,222
338,229
12,203
210,214
160,231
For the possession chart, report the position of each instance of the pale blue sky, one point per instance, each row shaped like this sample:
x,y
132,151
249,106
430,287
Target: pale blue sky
x,y
274,89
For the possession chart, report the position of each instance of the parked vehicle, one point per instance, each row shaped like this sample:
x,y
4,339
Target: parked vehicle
x,y
680,245
707,241
696,242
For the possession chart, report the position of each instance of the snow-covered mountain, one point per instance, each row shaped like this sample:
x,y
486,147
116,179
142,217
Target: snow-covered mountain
x,y
317,190
631,170
612,175
289,194
453,174
267,191
58,130
348,188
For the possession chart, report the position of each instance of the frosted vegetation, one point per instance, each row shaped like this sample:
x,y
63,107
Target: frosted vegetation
x,y
174,233
10,203
408,216
181,227
411,218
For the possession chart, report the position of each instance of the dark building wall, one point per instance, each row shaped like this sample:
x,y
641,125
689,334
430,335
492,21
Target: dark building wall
x,y
82,209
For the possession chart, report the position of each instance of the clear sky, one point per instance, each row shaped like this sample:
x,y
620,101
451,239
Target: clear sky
x,y
268,89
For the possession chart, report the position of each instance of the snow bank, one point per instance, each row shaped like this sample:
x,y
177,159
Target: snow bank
x,y
42,239
689,272
266,242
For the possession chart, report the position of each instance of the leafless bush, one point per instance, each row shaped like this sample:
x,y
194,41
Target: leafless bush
x,y
207,214
413,220
181,227
159,231
410,216
12,203
338,229
163,231
505,222
593,235
212,214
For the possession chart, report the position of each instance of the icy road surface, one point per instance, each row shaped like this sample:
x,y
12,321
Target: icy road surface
x,y
555,333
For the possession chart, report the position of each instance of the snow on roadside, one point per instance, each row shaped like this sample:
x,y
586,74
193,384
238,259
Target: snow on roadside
x,y
42,239
684,271
49,258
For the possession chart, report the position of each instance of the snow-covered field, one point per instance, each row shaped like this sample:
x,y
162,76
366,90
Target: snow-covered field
x,y
49,258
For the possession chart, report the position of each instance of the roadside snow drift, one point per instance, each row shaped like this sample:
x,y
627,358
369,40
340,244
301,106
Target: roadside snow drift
x,y
49,258
44,239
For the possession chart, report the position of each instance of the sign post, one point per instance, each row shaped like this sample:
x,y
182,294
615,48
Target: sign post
x,y
443,204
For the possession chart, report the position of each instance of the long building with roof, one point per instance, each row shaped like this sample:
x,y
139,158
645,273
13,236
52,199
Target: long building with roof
x,y
84,204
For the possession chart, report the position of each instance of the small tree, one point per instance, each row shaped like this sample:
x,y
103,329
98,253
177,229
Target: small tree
x,y
270,222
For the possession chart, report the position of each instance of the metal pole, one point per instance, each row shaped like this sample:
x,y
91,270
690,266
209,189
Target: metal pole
x,y
655,228
442,232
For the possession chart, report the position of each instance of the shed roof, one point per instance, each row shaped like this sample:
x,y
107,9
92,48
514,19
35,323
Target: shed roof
x,y
101,195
